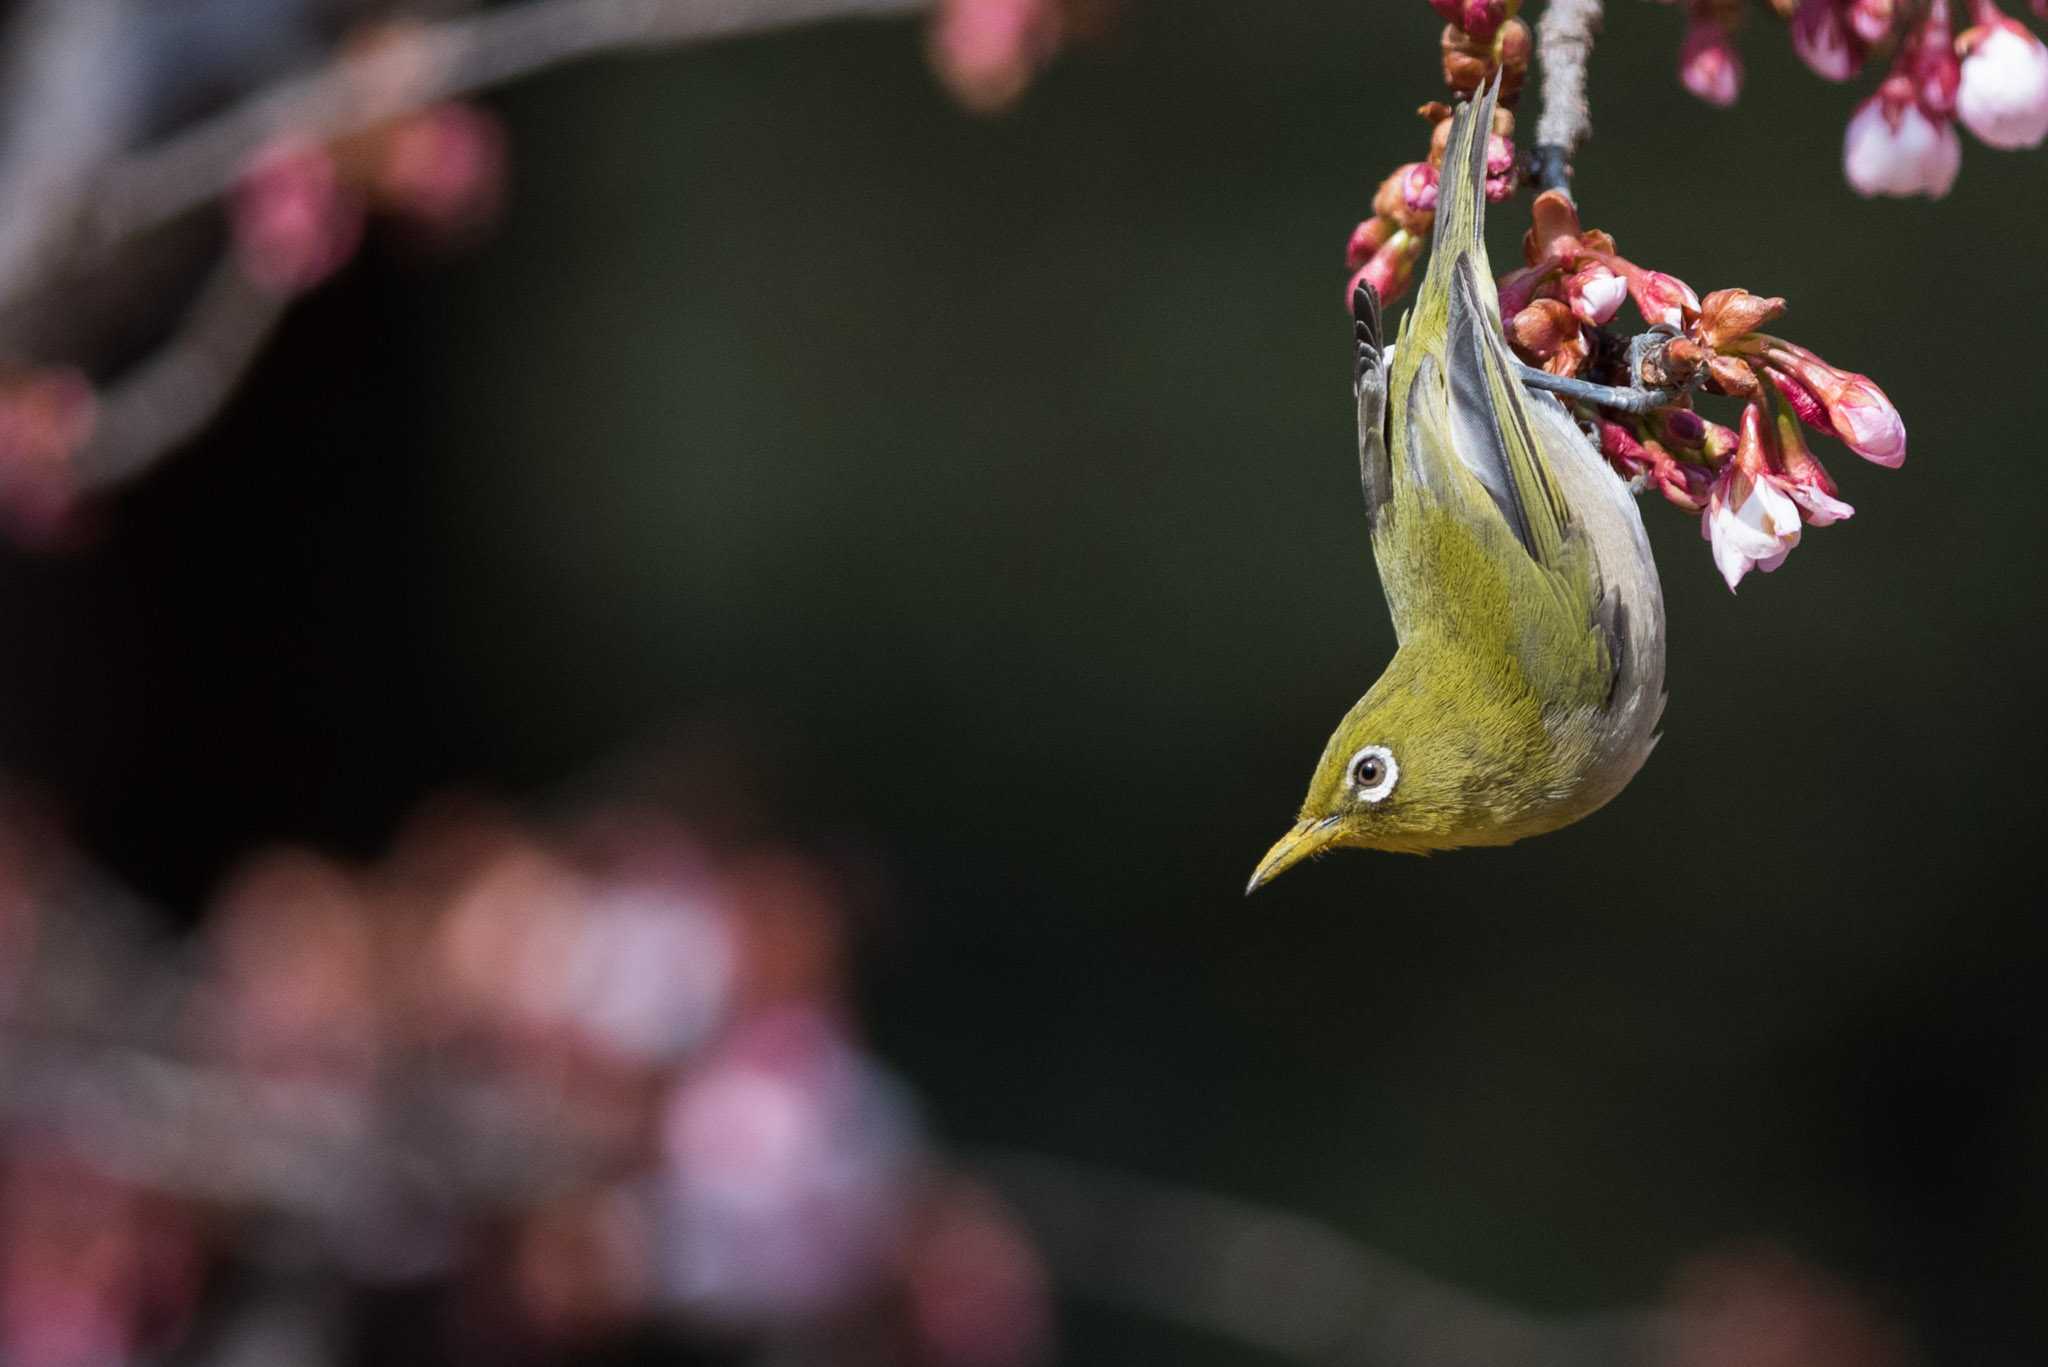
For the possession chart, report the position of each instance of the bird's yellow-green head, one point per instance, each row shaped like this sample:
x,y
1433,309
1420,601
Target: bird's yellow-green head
x,y
1447,749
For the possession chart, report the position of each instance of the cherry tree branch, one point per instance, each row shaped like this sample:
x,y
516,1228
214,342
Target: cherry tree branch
x,y
85,210
147,189
166,400
1564,49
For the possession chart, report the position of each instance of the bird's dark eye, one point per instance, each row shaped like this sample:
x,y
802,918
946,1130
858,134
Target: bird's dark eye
x,y
1374,772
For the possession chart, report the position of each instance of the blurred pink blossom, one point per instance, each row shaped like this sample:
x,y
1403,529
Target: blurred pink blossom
x,y
987,51
443,168
1708,64
295,221
1893,147
2003,96
1821,37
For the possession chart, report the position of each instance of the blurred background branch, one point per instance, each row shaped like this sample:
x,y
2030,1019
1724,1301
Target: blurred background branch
x,y
86,181
397,71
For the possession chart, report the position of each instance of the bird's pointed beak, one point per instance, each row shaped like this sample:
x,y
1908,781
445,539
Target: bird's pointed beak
x,y
1308,838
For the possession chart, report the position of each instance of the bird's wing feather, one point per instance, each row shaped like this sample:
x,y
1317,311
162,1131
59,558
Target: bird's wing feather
x,y
1369,380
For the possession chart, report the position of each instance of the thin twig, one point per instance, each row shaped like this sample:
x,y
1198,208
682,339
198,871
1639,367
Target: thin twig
x,y
1564,49
434,61
166,400
1282,1283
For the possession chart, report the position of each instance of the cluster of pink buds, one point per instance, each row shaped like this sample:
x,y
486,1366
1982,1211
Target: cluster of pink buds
x,y
1573,280
1754,486
1480,38
1993,76
299,210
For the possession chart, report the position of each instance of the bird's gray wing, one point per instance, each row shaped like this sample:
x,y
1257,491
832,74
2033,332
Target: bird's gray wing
x,y
1369,381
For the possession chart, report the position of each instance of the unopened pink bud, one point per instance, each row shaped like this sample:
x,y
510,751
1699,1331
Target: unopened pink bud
x,y
1503,168
1683,427
1821,37
1367,238
1868,423
1893,147
987,51
295,224
1483,18
2003,95
1708,64
1391,269
1801,400
1662,298
1871,20
444,168
1683,484
1858,412
1418,188
1519,288
1595,293
1623,450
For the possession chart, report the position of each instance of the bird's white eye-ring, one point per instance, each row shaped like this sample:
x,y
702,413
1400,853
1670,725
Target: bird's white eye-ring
x,y
1374,773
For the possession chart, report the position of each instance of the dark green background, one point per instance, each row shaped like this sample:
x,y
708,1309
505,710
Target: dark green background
x,y
1003,470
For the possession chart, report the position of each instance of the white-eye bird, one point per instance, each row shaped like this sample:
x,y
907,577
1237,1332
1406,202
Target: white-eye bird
x,y
1529,674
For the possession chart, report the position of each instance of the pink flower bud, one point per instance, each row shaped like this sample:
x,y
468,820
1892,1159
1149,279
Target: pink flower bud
x,y
1450,11
1682,427
1662,298
1892,147
2003,95
987,51
1802,401
1821,37
1418,188
1482,18
1868,423
1518,289
295,224
1622,448
1683,484
1367,238
1871,20
1708,64
1928,61
1402,194
45,417
1391,269
1595,293
444,168
1503,168
1859,413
